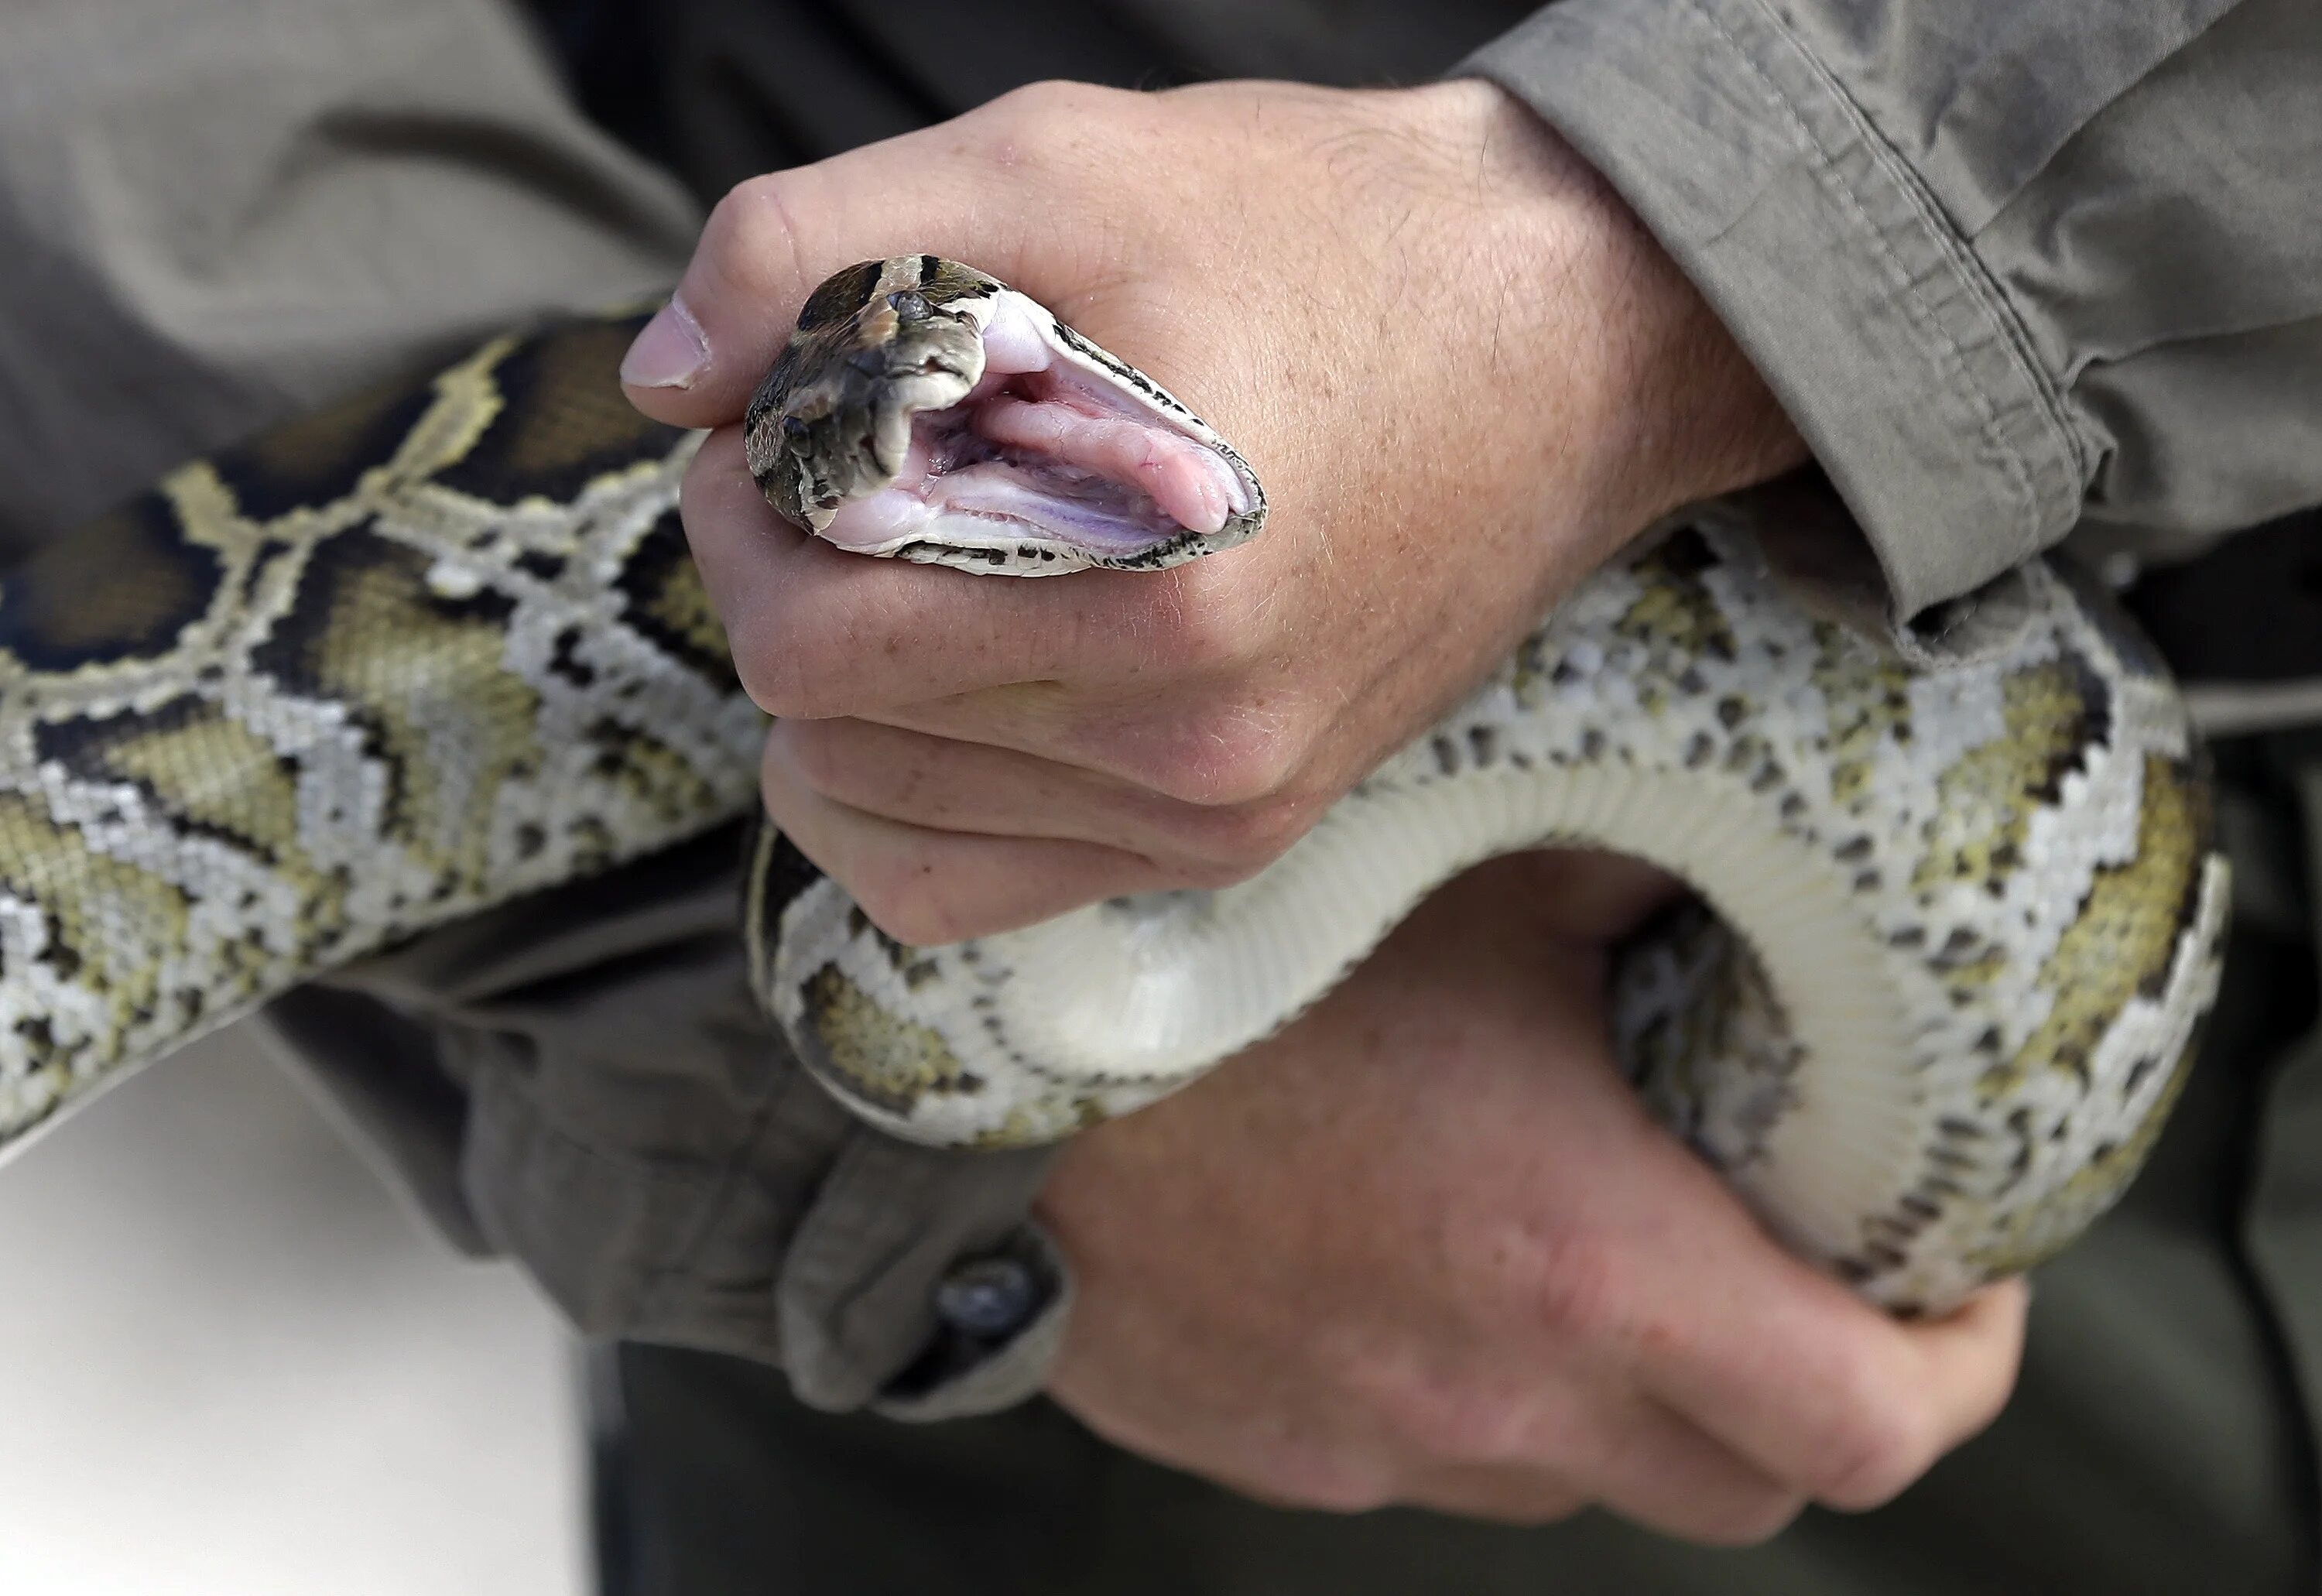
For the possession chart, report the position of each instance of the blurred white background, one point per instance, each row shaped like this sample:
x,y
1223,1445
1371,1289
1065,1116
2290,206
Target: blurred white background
x,y
231,1365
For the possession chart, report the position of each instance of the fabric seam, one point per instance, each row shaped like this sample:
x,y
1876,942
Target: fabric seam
x,y
1933,337
1966,265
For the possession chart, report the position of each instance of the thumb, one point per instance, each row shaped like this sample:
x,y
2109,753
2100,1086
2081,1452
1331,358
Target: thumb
x,y
976,189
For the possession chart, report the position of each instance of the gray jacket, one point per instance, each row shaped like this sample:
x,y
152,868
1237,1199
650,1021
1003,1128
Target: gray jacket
x,y
2020,270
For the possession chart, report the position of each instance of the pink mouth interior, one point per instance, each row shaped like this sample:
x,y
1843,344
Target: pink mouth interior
x,y
1039,450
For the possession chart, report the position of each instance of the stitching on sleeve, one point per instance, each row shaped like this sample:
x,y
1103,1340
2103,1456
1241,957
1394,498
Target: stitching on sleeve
x,y
1922,314
1967,270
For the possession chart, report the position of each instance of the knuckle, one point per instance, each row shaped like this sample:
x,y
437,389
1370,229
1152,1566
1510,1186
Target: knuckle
x,y
766,677
1983,1409
1234,842
750,237
899,887
1756,1524
1041,113
1428,1412
819,758
1575,1288
1202,876
1228,755
783,667
778,682
900,897
1882,1449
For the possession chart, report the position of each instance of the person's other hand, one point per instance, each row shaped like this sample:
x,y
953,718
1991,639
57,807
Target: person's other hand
x,y
1460,368
1425,1247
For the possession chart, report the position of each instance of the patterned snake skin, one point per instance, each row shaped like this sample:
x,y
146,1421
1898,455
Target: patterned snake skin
x,y
443,646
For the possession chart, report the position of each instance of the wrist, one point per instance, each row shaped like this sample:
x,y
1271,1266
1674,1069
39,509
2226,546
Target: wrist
x,y
1691,417
1662,408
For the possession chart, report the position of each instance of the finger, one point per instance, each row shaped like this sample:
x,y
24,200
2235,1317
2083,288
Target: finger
x,y
982,188
1656,1468
819,631
1502,1494
1659,1269
1667,1473
1198,755
1893,1398
1181,718
1512,1496
1262,1456
928,887
1586,1429
947,786
1971,1360
1820,1390
1812,1386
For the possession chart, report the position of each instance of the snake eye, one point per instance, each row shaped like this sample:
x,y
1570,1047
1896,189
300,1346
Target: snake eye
x,y
910,305
799,435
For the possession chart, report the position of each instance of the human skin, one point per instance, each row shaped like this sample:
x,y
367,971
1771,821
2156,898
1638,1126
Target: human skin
x,y
1467,376
1425,1246
1463,372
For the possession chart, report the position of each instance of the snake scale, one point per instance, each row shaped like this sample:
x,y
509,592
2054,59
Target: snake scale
x,y
442,645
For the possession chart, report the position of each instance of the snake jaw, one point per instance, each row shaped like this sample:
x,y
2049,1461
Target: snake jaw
x,y
442,647
832,421
947,419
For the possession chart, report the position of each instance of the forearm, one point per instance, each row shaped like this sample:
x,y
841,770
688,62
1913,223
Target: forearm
x,y
1685,416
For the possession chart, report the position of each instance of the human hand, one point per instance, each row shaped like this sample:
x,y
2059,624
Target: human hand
x,y
1426,1247
1462,370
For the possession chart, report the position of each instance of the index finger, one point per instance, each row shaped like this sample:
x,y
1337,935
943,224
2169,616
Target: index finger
x,y
816,632
965,188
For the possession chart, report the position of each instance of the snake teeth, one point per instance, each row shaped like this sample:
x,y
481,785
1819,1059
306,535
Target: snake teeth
x,y
1957,925
946,419
1957,919
397,662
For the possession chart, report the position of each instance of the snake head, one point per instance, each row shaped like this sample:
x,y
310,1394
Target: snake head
x,y
925,411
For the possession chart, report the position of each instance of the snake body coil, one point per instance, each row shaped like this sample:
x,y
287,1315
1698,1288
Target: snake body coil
x,y
442,647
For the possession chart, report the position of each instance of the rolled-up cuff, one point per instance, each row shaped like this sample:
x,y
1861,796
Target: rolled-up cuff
x,y
1869,317
859,1305
581,1081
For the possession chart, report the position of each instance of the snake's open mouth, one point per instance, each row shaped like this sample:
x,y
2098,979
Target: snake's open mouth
x,y
1045,449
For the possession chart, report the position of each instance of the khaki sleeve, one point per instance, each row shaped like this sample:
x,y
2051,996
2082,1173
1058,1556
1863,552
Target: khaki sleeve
x,y
2014,267
619,1116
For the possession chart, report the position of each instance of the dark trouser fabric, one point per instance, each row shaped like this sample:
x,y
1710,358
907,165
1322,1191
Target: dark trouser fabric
x,y
2158,1442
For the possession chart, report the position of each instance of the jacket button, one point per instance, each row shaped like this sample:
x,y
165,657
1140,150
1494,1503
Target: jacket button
x,y
987,1297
